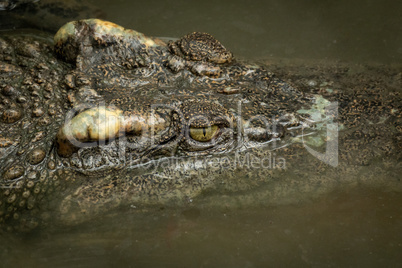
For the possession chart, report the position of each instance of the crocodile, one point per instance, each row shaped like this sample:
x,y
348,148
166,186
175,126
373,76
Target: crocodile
x,y
103,117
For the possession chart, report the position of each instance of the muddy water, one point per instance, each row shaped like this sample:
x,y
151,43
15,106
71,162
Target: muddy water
x,y
341,229
363,30
353,224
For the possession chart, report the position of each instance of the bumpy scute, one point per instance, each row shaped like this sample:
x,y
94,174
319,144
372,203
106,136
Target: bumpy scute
x,y
198,46
13,172
72,38
92,125
36,156
11,115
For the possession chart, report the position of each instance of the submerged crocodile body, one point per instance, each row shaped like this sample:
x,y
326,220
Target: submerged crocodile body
x,y
108,117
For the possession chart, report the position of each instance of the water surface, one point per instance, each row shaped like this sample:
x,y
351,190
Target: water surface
x,y
352,224
363,30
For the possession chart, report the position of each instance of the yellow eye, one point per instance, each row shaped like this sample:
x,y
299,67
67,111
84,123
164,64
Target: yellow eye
x,y
203,134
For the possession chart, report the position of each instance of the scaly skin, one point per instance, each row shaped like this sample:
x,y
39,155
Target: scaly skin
x,y
101,121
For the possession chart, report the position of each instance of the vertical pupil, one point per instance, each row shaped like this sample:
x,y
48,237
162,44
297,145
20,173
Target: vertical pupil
x,y
204,131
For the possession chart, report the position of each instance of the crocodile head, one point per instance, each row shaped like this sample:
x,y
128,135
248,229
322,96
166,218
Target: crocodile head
x,y
126,124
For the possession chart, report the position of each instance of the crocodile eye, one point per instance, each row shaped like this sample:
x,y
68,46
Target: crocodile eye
x,y
203,134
